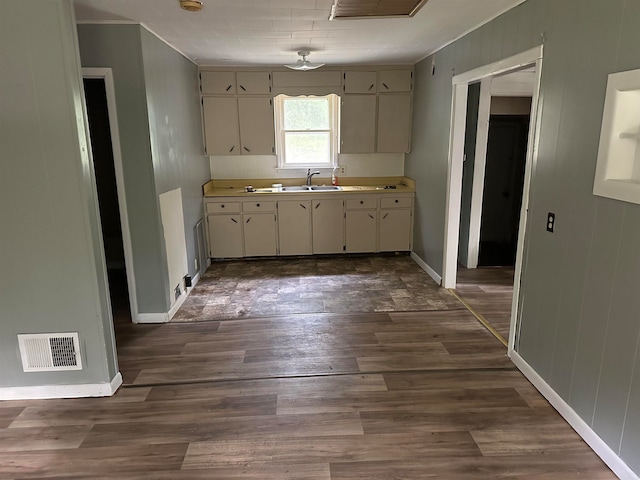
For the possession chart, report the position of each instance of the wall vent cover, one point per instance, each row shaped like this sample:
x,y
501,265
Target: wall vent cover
x,y
350,9
47,352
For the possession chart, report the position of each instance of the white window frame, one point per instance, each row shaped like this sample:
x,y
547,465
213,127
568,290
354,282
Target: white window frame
x,y
334,131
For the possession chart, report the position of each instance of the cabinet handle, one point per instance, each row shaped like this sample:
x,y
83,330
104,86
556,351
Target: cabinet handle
x,y
243,89
303,206
317,205
370,216
385,216
248,220
371,87
396,200
257,205
234,220
231,149
229,87
386,86
361,202
222,206
248,150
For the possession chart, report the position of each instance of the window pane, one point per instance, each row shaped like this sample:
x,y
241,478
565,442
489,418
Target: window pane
x,y
306,114
307,148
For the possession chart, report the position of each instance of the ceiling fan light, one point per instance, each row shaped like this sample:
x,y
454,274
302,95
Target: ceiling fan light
x,y
303,64
191,5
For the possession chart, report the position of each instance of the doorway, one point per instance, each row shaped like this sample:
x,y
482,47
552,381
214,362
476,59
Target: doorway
x,y
461,84
105,147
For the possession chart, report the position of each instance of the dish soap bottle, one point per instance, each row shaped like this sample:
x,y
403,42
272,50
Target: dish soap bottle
x,y
334,178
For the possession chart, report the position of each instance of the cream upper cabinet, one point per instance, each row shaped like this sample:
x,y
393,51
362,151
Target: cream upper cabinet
x,y
391,81
294,227
394,123
218,83
360,82
253,83
328,225
257,133
358,124
221,133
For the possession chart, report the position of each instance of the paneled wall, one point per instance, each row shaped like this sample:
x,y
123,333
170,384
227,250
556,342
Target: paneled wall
x,y
580,324
52,270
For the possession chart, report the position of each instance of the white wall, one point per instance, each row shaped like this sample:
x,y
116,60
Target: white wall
x,y
265,166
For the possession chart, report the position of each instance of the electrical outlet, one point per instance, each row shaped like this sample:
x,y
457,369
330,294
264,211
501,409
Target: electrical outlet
x,y
343,170
551,222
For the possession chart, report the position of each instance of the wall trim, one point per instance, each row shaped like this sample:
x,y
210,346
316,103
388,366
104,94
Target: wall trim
x,y
151,318
430,271
608,456
166,317
62,391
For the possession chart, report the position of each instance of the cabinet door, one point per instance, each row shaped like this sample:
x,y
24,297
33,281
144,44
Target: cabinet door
x,y
257,132
254,83
259,234
360,82
358,124
294,227
328,225
218,83
225,236
394,123
221,135
361,228
395,81
395,230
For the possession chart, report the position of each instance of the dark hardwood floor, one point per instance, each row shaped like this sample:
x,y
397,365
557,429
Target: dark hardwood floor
x,y
325,396
488,291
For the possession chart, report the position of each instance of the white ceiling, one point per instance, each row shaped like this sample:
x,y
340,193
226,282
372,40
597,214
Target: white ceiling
x,y
269,32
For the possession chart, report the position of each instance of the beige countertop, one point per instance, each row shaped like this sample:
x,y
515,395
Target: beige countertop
x,y
236,188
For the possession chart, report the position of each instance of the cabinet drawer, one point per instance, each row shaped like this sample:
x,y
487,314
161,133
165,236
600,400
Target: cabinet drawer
x,y
359,203
395,202
258,206
223,207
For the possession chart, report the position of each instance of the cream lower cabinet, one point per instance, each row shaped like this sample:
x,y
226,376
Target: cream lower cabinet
x,y
294,227
259,228
265,226
225,236
327,225
396,224
361,225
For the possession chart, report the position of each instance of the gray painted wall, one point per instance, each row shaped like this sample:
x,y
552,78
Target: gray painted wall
x,y
161,141
175,125
580,326
52,270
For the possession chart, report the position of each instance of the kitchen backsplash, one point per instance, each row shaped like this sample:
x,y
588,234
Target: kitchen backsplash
x,y
265,166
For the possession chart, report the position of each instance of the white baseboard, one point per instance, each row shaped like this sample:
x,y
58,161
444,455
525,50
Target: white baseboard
x,y
608,456
151,318
166,317
62,391
430,271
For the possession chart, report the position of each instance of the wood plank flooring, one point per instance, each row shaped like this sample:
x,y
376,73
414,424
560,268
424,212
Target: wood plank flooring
x,y
308,397
488,290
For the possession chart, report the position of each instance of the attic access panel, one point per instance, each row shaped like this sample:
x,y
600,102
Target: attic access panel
x,y
351,9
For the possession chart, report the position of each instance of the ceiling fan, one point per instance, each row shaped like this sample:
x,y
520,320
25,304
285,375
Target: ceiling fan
x,y
304,64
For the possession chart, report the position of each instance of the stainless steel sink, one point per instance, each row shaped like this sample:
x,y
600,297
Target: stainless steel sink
x,y
321,188
302,188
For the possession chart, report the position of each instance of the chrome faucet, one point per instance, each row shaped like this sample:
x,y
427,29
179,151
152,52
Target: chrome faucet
x,y
310,175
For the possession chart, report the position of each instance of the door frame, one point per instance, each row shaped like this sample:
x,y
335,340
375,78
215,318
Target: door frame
x,y
460,89
106,74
